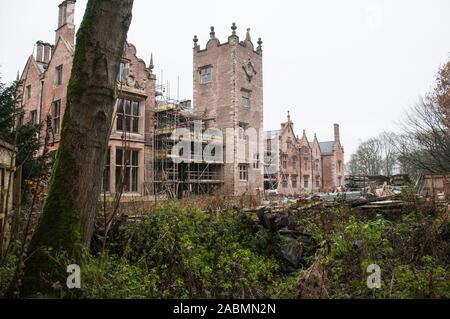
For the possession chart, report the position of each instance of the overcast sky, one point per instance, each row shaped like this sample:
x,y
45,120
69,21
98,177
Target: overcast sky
x,y
357,63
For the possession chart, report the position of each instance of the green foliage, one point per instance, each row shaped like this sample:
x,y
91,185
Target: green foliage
x,y
7,111
28,145
409,193
181,252
24,137
429,281
201,255
411,250
106,276
7,270
352,251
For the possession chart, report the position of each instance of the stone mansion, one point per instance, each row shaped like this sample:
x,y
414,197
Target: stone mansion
x,y
227,93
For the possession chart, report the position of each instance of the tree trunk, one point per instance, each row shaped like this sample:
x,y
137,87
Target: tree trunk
x,y
70,208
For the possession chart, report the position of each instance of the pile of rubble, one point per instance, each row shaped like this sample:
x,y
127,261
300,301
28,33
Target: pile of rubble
x,y
382,200
274,215
275,218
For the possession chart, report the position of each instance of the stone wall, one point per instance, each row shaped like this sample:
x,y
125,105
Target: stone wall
x,y
235,67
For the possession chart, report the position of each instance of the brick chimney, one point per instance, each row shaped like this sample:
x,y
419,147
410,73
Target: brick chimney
x,y
336,133
40,51
47,52
66,22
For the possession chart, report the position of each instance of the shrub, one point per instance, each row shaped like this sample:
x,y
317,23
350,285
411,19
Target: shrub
x,y
7,271
200,255
182,252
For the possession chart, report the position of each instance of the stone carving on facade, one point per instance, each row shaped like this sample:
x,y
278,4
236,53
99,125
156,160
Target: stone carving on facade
x,y
138,86
133,83
249,70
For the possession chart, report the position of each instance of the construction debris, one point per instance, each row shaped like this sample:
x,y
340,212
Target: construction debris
x,y
344,196
384,204
361,202
384,191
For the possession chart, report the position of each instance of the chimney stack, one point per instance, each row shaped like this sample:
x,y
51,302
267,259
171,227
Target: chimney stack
x,y
66,13
39,51
336,133
47,52
66,20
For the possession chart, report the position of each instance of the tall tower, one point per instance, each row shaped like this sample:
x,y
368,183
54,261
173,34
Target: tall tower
x,y
228,95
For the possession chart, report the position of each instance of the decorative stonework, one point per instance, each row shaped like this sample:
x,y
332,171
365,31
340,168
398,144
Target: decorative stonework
x,y
249,70
133,83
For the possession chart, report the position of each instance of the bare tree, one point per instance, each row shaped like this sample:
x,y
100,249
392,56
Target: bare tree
x,y
424,145
368,158
69,212
441,94
388,153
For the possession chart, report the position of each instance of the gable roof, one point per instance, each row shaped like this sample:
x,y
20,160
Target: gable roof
x,y
315,143
288,126
64,43
32,62
326,147
304,142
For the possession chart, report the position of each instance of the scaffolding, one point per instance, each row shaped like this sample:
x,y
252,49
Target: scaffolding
x,y
192,176
271,161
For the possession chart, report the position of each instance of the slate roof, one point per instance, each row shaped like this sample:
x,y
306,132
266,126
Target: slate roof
x,y
42,66
326,147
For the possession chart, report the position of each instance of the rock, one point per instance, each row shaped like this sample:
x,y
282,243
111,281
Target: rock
x,y
298,233
271,220
292,252
276,221
290,232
